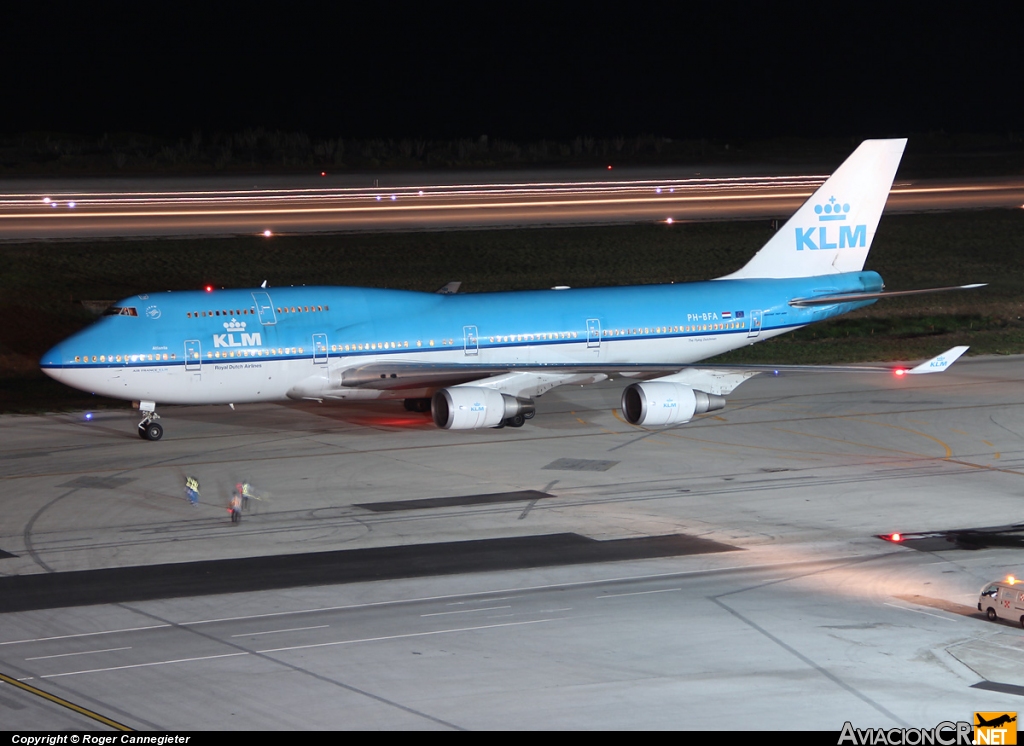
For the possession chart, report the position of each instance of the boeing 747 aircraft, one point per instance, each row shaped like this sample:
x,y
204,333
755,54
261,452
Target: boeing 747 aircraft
x,y
480,360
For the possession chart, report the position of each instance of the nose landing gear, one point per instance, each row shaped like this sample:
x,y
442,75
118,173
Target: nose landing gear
x,y
149,429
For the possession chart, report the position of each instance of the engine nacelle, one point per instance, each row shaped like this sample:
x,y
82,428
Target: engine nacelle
x,y
656,403
472,407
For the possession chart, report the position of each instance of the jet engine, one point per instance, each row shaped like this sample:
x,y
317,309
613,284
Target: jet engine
x,y
663,403
472,407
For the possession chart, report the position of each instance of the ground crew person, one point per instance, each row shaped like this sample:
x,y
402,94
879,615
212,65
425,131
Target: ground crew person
x,y
236,506
192,490
247,494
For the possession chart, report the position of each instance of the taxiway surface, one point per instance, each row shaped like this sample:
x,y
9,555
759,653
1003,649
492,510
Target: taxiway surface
x,y
808,620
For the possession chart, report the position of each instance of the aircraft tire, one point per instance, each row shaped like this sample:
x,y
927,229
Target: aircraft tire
x,y
991,614
1022,621
152,431
530,415
516,420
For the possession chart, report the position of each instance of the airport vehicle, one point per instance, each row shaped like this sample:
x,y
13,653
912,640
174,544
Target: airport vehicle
x,y
1003,599
480,360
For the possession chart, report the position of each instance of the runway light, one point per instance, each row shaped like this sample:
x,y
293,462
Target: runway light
x,y
267,233
323,173
393,198
378,198
669,221
71,205
209,288
88,416
609,168
658,190
46,200
53,204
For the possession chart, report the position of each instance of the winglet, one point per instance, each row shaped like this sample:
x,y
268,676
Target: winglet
x,y
940,362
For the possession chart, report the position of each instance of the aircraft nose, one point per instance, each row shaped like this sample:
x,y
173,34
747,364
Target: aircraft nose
x,y
52,363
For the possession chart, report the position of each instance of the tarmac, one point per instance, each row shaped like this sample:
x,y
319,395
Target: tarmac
x,y
577,573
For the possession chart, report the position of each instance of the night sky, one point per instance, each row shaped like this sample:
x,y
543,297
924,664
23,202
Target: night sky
x,y
519,71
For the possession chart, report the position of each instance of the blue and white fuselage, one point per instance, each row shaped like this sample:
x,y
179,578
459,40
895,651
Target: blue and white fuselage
x,y
235,346
478,360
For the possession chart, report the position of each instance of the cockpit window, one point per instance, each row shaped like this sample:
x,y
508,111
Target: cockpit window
x,y
121,311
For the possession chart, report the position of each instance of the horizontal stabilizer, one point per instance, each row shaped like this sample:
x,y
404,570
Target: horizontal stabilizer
x,y
829,300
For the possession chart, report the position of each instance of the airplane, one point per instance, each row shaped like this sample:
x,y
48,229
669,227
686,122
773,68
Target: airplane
x,y
477,360
994,722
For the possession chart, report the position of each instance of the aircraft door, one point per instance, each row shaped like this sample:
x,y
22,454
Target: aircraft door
x,y
320,349
265,308
193,354
594,333
755,324
471,342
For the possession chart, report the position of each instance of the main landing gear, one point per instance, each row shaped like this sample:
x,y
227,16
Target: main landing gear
x,y
417,405
517,420
149,429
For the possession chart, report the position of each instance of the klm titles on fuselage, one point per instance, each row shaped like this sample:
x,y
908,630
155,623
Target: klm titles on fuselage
x,y
228,339
829,236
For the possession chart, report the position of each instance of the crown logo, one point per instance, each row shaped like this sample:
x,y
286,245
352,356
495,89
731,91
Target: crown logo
x,y
832,210
234,325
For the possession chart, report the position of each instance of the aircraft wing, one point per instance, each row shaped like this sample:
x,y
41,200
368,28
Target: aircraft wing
x,y
386,376
936,364
532,379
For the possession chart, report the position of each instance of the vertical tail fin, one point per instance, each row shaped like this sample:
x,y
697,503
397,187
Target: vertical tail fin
x,y
833,230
